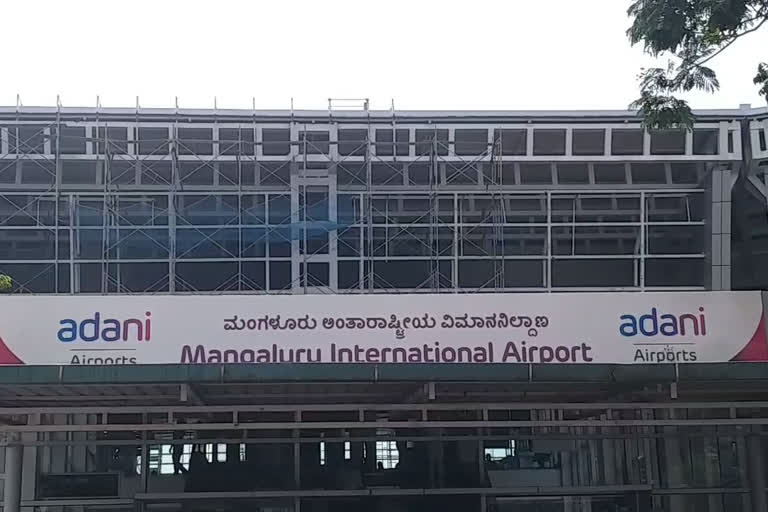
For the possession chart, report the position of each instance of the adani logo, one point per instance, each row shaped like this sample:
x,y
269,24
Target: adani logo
x,y
96,329
665,324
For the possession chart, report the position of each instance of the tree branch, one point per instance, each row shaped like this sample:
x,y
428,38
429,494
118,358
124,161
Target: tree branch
x,y
729,43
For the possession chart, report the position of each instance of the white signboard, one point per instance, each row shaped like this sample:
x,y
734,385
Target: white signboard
x,y
625,328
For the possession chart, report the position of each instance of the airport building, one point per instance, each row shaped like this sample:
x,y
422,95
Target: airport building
x,y
349,309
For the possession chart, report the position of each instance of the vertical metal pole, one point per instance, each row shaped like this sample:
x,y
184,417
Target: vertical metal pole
x,y
296,452
268,235
366,230
14,457
108,213
57,184
608,451
333,233
499,213
566,471
573,225
386,230
643,227
361,222
441,459
144,458
239,204
455,269
434,182
481,453
303,206
72,245
171,242
172,207
673,459
106,204
548,263
757,482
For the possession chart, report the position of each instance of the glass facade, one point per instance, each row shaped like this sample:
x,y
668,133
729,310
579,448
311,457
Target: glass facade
x,y
186,204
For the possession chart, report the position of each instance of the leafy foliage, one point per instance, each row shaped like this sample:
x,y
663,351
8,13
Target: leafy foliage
x,y
663,112
762,79
692,32
6,283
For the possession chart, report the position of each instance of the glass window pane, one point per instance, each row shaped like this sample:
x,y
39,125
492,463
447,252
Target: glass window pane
x,y
549,142
627,142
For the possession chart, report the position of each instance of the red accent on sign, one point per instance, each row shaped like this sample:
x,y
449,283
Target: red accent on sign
x,y
757,348
6,356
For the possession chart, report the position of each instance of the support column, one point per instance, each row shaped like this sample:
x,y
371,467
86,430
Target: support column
x,y
438,461
757,481
14,457
30,455
78,454
356,454
145,448
609,456
719,227
673,461
435,460
233,453
369,461
712,473
297,456
566,478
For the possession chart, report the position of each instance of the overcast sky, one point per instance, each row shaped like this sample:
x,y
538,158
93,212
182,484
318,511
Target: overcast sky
x,y
424,54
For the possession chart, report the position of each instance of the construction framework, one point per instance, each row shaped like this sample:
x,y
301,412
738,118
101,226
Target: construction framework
x,y
101,200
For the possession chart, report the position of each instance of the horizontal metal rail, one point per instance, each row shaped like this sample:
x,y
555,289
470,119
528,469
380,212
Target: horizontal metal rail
x,y
348,425
539,436
428,406
175,497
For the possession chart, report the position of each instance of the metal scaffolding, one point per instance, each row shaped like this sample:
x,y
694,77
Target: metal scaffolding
x,y
357,201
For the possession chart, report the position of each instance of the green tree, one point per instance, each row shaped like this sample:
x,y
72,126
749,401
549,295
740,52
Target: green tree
x,y
6,283
691,33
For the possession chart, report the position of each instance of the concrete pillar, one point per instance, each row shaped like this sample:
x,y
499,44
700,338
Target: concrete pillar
x,y
757,481
14,457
